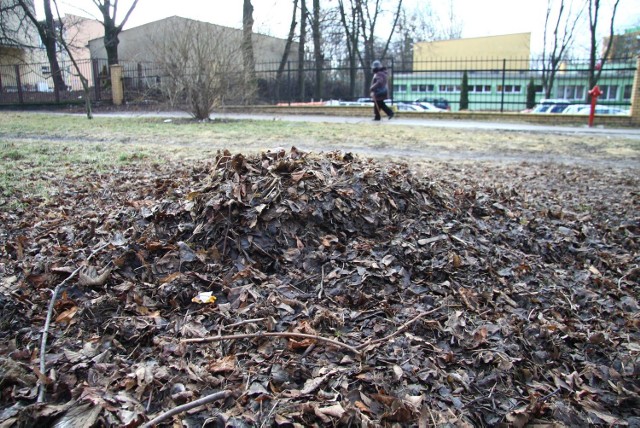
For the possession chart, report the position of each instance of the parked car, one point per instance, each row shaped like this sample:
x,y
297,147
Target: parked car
x,y
369,101
586,109
441,103
549,105
430,107
409,107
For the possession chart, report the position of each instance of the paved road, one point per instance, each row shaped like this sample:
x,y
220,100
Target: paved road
x,y
400,121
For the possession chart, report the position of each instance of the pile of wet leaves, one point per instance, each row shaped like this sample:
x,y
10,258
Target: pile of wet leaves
x,y
297,289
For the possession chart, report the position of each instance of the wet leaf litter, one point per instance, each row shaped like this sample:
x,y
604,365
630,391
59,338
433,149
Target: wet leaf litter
x,y
298,289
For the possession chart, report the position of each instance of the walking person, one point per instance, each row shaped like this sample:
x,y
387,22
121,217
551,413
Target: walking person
x,y
379,90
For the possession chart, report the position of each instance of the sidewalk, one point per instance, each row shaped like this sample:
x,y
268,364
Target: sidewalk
x,y
633,133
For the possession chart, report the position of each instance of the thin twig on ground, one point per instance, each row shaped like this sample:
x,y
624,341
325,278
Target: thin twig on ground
x,y
402,328
188,406
47,323
271,334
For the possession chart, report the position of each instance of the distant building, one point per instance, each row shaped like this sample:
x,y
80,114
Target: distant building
x,y
624,45
78,32
17,36
142,43
499,71
437,55
20,45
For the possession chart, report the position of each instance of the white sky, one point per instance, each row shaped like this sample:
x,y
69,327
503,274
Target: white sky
x,y
478,17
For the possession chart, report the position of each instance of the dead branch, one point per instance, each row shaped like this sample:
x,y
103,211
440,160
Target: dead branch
x,y
188,406
47,323
271,334
400,330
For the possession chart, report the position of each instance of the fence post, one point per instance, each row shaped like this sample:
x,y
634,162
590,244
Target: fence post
x,y
289,82
96,78
635,95
19,83
117,85
504,71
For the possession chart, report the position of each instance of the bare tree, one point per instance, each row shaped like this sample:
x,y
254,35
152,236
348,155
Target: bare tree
x,y
70,49
451,27
405,38
198,60
561,23
596,65
109,11
369,18
350,19
287,48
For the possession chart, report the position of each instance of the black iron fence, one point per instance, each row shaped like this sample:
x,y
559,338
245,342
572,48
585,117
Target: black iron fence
x,y
23,84
503,84
492,84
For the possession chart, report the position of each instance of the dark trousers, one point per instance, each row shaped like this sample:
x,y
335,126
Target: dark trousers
x,y
380,105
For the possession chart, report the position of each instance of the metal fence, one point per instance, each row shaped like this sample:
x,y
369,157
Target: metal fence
x,y
27,84
502,84
493,84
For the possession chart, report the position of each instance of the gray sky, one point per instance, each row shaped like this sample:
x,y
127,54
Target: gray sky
x,y
478,17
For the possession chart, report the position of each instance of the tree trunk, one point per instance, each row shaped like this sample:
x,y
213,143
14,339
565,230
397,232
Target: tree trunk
x,y
317,51
109,12
562,39
47,33
351,29
303,36
595,66
111,43
287,49
247,51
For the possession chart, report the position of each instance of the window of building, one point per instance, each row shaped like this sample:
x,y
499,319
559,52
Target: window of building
x,y
46,69
449,88
609,92
539,89
422,88
480,89
627,92
510,89
571,92
399,89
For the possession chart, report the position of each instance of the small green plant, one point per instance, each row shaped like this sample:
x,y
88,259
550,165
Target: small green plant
x,y
531,94
132,157
14,155
464,92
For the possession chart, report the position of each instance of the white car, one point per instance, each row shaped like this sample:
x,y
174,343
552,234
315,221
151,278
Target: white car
x,y
430,107
551,106
419,107
586,109
409,107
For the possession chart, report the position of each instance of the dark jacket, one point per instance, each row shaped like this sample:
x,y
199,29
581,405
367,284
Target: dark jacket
x,y
379,81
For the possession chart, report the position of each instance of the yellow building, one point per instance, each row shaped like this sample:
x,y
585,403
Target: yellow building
x,y
439,55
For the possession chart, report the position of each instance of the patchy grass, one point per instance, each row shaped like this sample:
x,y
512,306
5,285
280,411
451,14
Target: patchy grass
x,y
36,148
